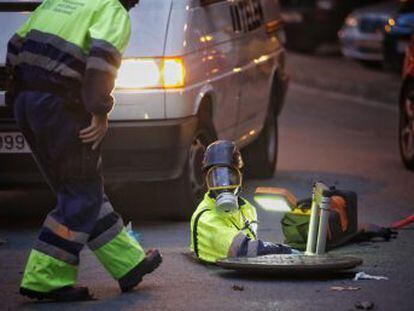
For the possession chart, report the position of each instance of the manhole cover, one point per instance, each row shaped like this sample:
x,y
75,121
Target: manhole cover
x,y
290,263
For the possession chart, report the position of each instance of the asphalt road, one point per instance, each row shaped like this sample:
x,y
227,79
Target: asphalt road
x,y
323,136
328,71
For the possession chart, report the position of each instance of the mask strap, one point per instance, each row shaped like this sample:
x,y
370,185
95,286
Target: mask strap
x,y
247,224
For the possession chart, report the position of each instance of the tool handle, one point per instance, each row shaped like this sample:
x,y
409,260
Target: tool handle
x,y
402,223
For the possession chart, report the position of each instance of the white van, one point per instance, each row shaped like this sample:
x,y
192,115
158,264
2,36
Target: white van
x,y
194,71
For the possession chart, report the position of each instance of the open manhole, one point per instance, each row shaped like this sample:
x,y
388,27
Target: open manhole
x,y
290,263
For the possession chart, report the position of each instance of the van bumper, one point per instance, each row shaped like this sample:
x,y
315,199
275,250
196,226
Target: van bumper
x,y
132,151
147,150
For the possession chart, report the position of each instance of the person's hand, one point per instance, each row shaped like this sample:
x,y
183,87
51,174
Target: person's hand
x,y
96,131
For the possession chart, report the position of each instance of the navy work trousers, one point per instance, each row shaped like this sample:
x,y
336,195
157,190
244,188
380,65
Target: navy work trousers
x,y
72,168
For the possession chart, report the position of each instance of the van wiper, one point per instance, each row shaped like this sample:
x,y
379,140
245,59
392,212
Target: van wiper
x,y
10,6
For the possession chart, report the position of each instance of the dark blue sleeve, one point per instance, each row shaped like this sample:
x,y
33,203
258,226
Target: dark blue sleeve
x,y
268,248
12,81
99,81
251,248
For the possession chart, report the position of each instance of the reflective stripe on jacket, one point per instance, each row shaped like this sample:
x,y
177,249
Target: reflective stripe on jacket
x,y
73,42
215,235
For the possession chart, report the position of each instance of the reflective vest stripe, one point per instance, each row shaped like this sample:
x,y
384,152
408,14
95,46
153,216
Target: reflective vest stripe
x,y
55,54
13,47
195,233
105,50
101,64
48,64
57,42
16,41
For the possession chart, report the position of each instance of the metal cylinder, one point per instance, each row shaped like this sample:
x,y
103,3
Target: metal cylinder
x,y
323,225
313,225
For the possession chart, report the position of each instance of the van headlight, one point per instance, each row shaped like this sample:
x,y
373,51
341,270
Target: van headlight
x,y
151,73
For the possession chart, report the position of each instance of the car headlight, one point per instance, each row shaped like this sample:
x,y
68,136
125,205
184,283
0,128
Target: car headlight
x,y
325,4
351,21
151,73
390,24
173,73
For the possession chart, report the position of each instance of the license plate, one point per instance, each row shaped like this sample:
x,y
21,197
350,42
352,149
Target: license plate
x,y
292,17
13,142
2,101
402,46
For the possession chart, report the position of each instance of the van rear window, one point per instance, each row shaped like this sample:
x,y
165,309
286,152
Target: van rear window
x,y
18,6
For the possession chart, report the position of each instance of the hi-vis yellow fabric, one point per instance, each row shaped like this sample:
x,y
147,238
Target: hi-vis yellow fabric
x,y
214,235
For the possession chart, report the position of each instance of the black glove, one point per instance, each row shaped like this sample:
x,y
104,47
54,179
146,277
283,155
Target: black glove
x,y
371,232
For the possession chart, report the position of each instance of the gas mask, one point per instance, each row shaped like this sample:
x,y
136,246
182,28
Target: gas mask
x,y
224,184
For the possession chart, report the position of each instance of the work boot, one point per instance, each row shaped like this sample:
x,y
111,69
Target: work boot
x,y
151,262
64,294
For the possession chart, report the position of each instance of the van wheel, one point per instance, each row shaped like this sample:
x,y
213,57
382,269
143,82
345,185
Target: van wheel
x,y
406,128
261,155
188,190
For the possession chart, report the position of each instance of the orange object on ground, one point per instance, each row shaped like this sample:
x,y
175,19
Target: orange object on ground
x,y
402,223
338,204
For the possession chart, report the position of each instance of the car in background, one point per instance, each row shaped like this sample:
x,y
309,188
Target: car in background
x,y
309,23
406,109
13,13
194,72
398,32
362,35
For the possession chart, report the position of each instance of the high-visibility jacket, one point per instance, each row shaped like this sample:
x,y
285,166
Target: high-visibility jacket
x,y
74,47
76,43
216,235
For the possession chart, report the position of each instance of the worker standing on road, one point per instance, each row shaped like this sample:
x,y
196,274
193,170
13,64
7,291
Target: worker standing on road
x,y
64,62
225,224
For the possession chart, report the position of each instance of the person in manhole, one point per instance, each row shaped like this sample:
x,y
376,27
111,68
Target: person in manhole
x,y
225,224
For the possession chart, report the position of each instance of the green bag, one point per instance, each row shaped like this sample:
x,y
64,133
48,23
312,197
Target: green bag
x,y
342,225
295,226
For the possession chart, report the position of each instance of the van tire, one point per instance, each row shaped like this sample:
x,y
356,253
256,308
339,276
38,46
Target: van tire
x,y
406,117
260,156
187,191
